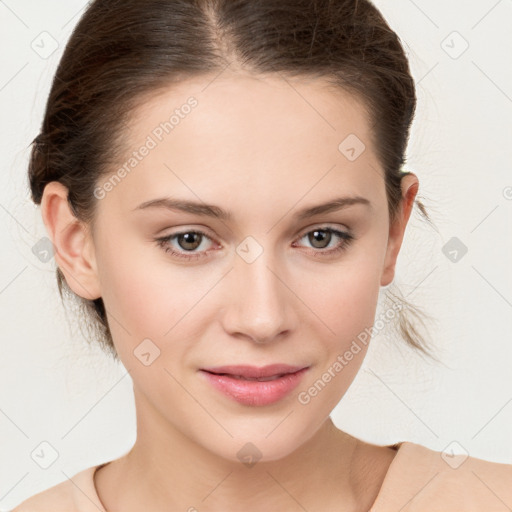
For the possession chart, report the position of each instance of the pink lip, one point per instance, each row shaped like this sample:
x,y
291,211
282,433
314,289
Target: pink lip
x,y
255,392
254,371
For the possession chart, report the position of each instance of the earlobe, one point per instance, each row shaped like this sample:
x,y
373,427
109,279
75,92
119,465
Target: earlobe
x,y
74,253
409,185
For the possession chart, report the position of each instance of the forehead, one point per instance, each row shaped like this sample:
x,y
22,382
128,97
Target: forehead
x,y
266,135
255,105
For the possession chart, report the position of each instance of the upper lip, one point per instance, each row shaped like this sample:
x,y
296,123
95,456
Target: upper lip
x,y
255,371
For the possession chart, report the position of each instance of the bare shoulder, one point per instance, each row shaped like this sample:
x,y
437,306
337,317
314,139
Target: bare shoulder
x,y
55,499
436,481
461,466
483,478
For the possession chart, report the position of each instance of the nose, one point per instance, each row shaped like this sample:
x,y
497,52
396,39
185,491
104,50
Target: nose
x,y
260,306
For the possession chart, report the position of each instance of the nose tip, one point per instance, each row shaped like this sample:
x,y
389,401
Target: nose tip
x,y
259,310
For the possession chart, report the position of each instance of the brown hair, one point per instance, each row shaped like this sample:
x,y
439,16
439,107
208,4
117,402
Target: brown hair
x,y
122,50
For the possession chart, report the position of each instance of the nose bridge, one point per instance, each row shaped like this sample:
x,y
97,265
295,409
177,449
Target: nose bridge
x,y
258,308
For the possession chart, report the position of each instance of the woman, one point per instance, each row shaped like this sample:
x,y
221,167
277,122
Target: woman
x,y
222,181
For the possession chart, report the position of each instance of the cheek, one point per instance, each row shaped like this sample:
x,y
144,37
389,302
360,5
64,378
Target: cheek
x,y
147,296
138,298
345,312
345,297
147,301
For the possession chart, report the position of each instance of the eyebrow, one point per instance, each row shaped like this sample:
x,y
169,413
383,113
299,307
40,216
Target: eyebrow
x,y
210,210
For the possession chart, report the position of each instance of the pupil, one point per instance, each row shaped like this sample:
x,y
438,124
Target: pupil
x,y
323,235
188,241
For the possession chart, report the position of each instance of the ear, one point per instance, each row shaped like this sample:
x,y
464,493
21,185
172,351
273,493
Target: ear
x,y
74,251
409,185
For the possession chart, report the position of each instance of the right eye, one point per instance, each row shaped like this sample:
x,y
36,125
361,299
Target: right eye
x,y
183,238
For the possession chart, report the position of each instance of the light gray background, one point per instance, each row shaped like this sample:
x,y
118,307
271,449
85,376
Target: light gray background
x,y
56,390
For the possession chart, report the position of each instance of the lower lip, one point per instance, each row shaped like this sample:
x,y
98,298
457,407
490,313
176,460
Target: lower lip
x,y
254,392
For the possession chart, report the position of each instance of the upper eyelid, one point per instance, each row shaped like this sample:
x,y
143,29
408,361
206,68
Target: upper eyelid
x,y
321,226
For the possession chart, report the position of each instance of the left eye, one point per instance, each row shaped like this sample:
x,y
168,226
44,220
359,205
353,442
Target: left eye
x,y
320,234
189,241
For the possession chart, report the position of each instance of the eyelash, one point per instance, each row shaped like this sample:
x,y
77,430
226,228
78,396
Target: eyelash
x,y
163,242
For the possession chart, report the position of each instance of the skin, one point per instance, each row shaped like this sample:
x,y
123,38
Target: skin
x,y
257,148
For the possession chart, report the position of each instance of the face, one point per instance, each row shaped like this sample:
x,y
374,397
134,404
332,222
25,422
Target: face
x,y
266,284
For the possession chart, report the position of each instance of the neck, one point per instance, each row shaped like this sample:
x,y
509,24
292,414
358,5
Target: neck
x,y
165,470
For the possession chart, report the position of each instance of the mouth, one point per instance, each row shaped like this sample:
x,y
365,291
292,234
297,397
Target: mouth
x,y
250,385
259,379
268,372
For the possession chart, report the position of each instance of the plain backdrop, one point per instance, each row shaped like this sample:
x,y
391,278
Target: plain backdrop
x,y
60,397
